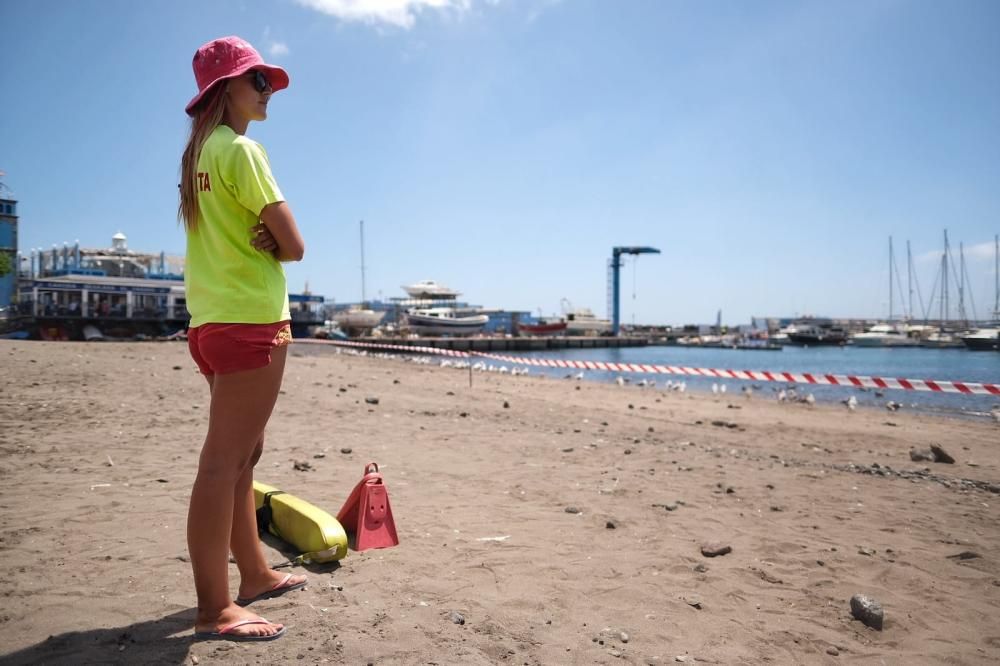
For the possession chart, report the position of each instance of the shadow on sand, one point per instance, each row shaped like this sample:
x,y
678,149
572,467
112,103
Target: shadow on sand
x,y
146,642
162,642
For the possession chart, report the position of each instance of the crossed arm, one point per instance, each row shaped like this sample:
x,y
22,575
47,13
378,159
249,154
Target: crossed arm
x,y
278,234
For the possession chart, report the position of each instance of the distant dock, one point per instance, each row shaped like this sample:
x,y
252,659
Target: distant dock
x,y
509,344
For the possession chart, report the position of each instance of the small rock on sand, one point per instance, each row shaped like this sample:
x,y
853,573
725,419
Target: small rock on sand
x,y
715,549
868,611
941,456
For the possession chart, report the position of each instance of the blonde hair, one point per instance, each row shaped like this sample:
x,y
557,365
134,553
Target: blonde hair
x,y
207,116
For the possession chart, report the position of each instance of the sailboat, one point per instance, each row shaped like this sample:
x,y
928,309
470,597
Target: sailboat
x,y
359,319
889,334
988,338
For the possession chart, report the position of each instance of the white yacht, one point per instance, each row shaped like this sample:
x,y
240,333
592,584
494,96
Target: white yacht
x,y
430,290
444,321
885,335
983,339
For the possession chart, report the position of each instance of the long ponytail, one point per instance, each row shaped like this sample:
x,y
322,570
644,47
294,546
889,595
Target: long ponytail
x,y
208,115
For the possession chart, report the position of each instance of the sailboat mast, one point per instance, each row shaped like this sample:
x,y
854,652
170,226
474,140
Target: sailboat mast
x,y
890,278
944,280
909,277
996,276
363,299
961,284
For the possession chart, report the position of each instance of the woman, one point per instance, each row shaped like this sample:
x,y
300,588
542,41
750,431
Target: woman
x,y
239,229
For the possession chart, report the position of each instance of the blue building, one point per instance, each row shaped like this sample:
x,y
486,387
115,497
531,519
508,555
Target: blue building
x,y
8,246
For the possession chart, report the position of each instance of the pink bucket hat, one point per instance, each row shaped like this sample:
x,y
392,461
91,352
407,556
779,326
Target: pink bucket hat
x,y
225,58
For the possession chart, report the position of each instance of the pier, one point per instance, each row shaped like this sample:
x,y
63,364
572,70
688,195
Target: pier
x,y
487,344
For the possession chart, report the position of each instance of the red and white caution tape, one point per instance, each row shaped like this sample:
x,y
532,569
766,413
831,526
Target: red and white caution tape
x,y
938,386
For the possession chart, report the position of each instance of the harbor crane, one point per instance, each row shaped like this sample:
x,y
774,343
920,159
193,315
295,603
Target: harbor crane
x,y
615,266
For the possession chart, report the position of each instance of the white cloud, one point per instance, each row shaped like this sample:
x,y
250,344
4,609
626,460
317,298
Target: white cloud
x,y
980,251
400,13
973,253
278,49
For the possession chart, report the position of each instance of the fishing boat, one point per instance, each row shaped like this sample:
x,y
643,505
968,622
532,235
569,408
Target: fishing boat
x,y
430,290
543,327
444,321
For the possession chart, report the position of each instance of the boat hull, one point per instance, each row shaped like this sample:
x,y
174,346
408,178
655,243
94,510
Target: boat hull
x,y
885,341
981,342
816,340
554,328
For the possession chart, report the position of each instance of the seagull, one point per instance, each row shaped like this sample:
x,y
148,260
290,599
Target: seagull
x,y
747,392
782,395
995,413
722,389
578,376
809,399
620,381
852,403
715,388
892,406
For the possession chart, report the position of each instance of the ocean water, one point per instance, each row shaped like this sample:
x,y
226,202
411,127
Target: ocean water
x,y
901,363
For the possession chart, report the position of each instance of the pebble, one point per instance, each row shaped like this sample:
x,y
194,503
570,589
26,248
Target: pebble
x,y
571,509
302,466
506,405
457,617
832,651
868,611
371,401
715,549
941,456
610,525
345,450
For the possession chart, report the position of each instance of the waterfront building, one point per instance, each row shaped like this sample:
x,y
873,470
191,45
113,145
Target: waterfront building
x,y
8,247
64,291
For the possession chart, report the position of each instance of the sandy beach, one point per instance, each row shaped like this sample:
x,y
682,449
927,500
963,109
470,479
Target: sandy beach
x,y
563,520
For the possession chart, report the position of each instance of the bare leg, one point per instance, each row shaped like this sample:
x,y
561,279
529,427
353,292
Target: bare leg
x,y
255,575
241,406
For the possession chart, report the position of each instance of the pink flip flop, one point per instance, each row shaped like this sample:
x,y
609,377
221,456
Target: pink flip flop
x,y
280,588
225,635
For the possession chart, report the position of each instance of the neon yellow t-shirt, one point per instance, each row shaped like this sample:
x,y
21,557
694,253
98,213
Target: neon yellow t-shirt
x,y
227,280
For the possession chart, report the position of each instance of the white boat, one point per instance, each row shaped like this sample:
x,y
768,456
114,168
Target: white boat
x,y
942,340
444,321
582,321
357,320
885,335
430,290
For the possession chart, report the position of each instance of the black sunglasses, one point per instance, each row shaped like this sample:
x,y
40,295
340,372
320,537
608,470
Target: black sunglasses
x,y
260,82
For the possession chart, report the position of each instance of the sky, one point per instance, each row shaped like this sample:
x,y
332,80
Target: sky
x,y
768,149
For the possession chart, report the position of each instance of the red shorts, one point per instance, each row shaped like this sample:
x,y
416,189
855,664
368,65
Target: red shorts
x,y
219,349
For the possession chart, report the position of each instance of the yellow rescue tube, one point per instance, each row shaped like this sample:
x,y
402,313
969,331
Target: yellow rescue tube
x,y
314,532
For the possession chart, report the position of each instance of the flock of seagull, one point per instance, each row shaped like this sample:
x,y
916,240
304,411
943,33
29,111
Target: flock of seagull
x,y
789,394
